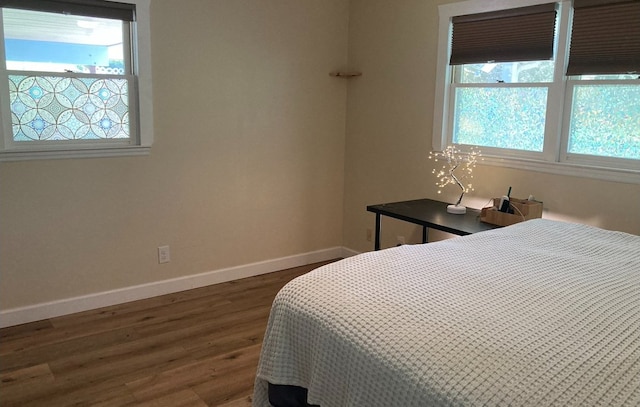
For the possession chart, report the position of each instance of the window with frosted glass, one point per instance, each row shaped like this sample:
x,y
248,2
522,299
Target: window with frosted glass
x,y
69,77
605,120
494,106
50,108
510,118
563,92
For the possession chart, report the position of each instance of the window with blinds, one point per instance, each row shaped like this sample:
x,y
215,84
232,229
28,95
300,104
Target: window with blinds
x,y
556,83
503,70
521,34
70,80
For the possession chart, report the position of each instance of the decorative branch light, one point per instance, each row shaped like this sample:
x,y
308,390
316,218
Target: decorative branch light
x,y
454,159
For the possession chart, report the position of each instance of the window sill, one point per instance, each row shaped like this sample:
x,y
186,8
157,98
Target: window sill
x,y
627,176
76,153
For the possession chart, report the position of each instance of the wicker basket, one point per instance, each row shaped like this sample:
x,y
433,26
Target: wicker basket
x,y
522,210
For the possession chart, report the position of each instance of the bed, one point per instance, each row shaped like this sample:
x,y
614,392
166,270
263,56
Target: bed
x,y
541,313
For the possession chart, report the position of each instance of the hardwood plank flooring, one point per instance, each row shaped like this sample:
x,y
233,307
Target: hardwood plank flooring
x,y
190,349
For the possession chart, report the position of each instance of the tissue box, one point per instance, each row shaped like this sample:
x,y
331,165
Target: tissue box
x,y
522,210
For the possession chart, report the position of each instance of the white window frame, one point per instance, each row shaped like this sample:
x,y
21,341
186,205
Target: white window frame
x,y
140,143
554,157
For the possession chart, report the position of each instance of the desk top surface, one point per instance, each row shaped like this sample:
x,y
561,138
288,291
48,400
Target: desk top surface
x,y
433,214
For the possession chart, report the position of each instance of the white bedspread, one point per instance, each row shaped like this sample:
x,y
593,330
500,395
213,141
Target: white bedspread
x,y
540,313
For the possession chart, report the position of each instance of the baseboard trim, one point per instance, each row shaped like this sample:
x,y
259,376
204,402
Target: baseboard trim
x,y
346,252
37,312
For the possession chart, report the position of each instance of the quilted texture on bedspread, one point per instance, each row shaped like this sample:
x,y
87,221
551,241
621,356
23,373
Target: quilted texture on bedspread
x,y
541,313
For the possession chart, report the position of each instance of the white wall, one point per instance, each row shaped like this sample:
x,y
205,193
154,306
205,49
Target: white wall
x,y
389,134
247,163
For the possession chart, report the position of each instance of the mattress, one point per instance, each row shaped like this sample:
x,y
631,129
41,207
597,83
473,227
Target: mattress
x,y
541,313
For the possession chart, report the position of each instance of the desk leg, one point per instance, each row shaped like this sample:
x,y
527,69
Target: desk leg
x,y
425,234
377,239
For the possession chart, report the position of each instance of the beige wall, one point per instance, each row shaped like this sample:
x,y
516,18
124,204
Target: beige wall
x,y
247,163
251,158
389,128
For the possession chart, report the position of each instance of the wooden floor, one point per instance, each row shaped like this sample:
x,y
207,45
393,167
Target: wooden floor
x,y
194,348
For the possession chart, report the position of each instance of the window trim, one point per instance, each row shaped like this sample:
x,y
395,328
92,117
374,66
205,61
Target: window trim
x,y
554,152
141,66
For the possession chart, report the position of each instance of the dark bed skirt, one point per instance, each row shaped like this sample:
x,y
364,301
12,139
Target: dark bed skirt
x,y
282,395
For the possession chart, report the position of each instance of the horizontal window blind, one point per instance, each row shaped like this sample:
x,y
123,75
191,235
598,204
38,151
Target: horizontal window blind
x,y
605,38
521,34
90,8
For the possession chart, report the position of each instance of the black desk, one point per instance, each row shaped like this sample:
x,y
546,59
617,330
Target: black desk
x,y
430,214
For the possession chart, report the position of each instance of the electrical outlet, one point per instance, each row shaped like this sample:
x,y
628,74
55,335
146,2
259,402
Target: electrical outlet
x,y
164,255
400,240
369,235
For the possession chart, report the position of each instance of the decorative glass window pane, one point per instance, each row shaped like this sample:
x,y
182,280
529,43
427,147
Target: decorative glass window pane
x,y
50,108
72,78
501,117
605,121
50,42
